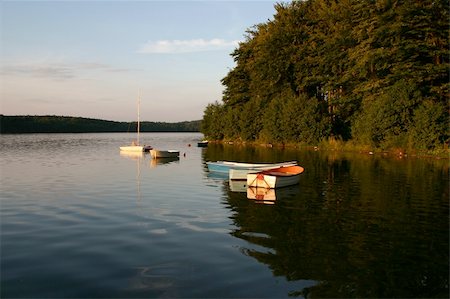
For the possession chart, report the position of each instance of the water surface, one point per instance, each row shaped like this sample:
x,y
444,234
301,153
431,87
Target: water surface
x,y
81,220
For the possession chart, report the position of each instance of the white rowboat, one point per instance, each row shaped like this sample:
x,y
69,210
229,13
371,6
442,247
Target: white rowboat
x,y
225,166
275,178
241,173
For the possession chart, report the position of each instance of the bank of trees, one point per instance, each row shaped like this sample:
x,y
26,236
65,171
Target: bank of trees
x,y
374,72
66,124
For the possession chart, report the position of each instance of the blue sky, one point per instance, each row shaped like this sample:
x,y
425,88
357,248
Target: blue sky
x,y
90,58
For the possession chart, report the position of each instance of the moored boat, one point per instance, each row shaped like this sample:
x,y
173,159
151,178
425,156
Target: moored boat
x,y
164,154
203,143
225,166
132,148
135,146
275,178
241,174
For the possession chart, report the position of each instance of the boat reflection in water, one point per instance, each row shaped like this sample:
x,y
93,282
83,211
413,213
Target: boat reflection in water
x,y
261,194
238,186
162,161
154,162
132,155
139,157
218,177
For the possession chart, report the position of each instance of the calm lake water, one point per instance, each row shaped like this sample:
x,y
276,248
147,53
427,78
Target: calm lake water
x,y
81,220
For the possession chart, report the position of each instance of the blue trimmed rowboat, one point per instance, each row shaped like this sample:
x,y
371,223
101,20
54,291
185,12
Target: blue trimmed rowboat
x,y
225,166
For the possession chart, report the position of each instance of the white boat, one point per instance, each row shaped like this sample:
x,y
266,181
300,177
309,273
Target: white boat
x,y
241,173
135,146
275,178
225,166
164,154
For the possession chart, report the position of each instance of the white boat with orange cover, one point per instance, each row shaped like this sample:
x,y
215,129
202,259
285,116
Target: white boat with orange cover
x,y
241,173
275,178
226,166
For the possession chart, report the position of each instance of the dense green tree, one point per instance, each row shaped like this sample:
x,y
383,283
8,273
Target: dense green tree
x,y
375,71
251,119
429,127
211,123
385,120
303,120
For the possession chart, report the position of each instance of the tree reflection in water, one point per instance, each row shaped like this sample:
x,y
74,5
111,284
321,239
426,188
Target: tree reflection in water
x,y
360,226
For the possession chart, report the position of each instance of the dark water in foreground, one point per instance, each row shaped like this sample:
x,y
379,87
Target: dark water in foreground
x,y
79,220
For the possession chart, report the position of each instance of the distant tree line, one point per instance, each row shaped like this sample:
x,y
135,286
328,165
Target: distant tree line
x,y
65,124
372,72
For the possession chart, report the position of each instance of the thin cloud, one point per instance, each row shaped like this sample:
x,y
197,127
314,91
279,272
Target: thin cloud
x,y
59,71
40,71
186,46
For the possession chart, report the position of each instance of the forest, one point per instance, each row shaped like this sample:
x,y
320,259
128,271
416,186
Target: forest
x,y
66,124
366,73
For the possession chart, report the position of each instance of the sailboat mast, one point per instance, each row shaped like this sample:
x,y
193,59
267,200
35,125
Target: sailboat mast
x,y
139,117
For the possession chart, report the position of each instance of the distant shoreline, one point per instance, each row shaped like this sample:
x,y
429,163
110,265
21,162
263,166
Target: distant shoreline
x,y
22,124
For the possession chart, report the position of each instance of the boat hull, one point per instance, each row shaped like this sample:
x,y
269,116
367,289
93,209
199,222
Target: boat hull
x,y
164,154
202,144
132,148
225,166
136,148
275,178
147,148
218,167
241,174
270,181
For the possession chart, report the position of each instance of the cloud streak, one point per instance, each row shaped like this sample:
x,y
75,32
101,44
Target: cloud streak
x,y
59,71
186,46
40,71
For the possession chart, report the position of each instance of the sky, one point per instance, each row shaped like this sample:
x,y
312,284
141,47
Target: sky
x,y
92,58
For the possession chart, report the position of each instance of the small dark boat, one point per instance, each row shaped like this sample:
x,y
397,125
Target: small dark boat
x,y
203,143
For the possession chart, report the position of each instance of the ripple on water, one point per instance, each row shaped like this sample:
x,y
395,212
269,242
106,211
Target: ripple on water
x,y
80,220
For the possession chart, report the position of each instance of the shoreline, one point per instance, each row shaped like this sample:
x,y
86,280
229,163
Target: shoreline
x,y
23,124
346,147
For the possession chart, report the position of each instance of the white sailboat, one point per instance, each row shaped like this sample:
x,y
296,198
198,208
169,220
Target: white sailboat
x,y
135,145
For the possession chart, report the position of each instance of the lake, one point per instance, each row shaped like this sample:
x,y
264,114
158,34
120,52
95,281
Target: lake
x,y
81,220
